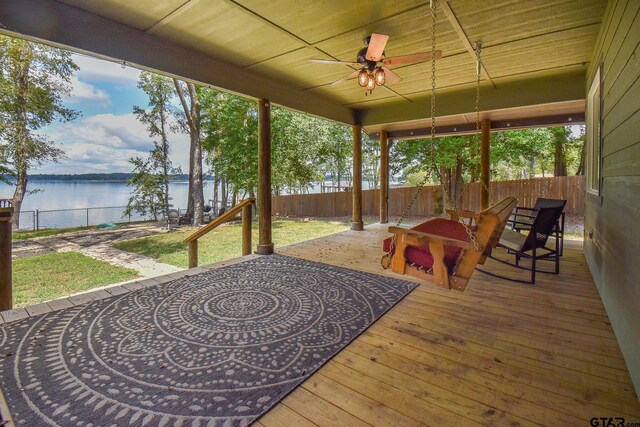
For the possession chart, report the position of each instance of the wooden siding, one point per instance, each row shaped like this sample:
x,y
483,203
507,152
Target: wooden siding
x,y
571,188
612,228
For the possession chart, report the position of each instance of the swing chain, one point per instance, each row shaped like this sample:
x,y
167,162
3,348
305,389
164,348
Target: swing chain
x,y
386,259
478,49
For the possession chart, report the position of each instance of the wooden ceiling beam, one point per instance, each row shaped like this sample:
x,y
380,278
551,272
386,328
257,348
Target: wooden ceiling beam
x,y
496,126
510,94
453,19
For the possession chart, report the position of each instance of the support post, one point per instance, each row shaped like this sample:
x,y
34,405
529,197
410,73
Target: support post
x,y
356,221
6,287
193,253
485,163
265,245
246,229
384,177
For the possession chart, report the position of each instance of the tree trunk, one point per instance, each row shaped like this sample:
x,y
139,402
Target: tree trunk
x,y
580,170
18,196
216,182
474,168
224,197
197,191
560,160
457,186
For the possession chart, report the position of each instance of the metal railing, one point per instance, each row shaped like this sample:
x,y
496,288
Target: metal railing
x,y
75,217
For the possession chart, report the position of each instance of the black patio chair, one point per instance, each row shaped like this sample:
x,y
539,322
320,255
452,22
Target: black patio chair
x,y
531,245
522,218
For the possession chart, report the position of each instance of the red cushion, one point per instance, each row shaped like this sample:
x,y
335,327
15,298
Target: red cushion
x,y
441,227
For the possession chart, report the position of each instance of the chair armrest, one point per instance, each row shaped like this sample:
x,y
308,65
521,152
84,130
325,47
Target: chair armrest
x,y
513,223
418,238
523,215
462,213
522,208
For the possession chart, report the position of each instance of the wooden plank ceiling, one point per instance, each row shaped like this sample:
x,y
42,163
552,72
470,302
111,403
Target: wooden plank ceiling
x,y
276,38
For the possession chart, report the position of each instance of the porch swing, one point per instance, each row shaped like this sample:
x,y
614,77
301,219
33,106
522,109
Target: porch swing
x,y
446,251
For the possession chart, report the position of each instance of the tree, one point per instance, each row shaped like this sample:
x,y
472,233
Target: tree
x,y
5,169
33,80
371,161
334,151
230,129
160,120
561,140
148,195
195,205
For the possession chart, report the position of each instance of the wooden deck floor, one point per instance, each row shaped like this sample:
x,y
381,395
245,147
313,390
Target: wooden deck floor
x,y
500,353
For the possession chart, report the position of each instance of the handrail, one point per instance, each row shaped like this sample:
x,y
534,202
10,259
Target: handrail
x,y
245,207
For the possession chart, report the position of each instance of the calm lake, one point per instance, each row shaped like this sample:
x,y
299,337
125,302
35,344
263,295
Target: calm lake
x,y
75,197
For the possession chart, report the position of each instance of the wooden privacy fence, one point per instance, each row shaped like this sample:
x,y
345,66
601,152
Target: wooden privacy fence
x,y
571,188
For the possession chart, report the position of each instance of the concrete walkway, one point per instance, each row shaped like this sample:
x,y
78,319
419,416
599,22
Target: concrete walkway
x,y
98,244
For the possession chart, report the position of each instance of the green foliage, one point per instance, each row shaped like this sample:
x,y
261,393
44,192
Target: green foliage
x,y
516,154
33,80
230,127
46,277
148,195
304,149
150,178
225,242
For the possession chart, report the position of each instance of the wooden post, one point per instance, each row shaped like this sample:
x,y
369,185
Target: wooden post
x,y
356,221
6,288
384,177
265,245
246,229
485,163
193,253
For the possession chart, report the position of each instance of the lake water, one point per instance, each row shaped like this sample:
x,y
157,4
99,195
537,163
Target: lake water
x,y
75,197
64,204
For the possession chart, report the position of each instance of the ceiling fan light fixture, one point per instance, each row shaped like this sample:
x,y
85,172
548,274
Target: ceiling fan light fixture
x,y
379,76
363,78
371,83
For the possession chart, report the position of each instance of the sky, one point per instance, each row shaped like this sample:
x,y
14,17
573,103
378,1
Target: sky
x,y
106,134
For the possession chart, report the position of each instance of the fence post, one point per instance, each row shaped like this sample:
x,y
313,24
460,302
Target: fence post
x,y
87,217
37,222
34,219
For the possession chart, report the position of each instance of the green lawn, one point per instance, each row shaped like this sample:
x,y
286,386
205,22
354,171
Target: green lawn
x,y
46,277
225,242
46,232
23,235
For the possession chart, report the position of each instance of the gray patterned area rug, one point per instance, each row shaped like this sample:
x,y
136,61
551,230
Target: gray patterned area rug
x,y
216,349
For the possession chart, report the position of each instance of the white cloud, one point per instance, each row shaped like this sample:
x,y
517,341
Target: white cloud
x,y
93,69
81,91
106,142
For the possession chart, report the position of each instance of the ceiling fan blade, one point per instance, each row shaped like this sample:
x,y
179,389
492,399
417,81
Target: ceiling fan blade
x,y
390,76
410,59
376,47
331,61
347,77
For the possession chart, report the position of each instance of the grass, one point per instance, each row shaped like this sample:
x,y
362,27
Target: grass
x,y
225,242
46,277
46,232
23,235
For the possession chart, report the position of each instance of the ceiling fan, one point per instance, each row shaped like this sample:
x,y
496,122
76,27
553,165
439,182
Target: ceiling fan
x,y
375,69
